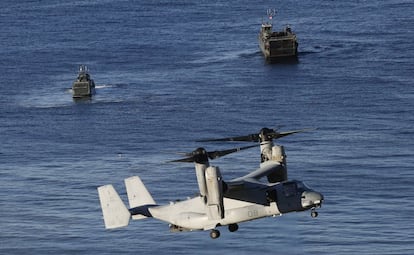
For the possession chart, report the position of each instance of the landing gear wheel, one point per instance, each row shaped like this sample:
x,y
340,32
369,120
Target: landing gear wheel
x,y
314,214
214,234
233,227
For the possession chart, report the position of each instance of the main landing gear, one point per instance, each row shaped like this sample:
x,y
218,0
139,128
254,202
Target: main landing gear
x,y
233,227
216,234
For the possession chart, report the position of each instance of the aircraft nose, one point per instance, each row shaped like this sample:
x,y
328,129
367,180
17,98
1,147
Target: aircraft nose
x,y
311,199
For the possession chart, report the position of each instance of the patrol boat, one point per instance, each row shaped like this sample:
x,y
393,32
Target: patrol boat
x,y
277,45
84,86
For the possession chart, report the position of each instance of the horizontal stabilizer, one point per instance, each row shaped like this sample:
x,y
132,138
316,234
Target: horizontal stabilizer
x,y
138,195
115,213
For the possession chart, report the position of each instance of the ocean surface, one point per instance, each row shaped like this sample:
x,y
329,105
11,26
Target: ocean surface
x,y
171,72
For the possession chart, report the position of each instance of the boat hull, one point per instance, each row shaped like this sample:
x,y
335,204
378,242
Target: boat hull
x,y
83,89
279,48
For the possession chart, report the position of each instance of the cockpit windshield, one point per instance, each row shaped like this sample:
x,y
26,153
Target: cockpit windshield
x,y
302,186
289,189
294,187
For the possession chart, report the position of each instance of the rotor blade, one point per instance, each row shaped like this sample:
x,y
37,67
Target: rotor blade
x,y
245,138
185,160
217,154
268,133
201,155
277,135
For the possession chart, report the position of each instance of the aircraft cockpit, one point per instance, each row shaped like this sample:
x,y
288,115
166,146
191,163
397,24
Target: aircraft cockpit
x,y
292,188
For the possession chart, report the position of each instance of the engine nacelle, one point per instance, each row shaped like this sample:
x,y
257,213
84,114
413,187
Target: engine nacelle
x,y
266,151
278,155
214,183
201,178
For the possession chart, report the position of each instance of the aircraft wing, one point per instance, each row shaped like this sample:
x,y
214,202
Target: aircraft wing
x,y
251,188
274,171
248,190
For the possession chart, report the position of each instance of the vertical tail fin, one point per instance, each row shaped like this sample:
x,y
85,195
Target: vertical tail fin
x,y
114,211
138,195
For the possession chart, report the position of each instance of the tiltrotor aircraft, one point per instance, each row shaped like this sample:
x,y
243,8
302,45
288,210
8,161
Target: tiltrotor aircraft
x,y
219,203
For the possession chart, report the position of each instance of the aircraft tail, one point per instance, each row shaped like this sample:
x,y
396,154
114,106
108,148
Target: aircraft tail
x,y
139,198
115,213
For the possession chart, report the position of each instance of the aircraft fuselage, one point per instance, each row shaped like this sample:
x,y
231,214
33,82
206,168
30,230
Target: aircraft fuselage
x,y
268,200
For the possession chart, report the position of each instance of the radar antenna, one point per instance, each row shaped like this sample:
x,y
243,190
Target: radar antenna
x,y
271,13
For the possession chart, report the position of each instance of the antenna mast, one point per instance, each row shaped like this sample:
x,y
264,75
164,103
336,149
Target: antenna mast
x,y
271,13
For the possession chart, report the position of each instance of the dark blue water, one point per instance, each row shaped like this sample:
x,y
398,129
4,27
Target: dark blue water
x,y
169,73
